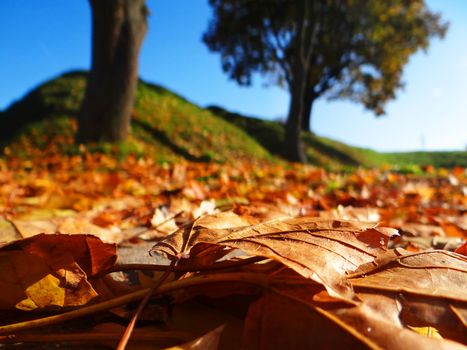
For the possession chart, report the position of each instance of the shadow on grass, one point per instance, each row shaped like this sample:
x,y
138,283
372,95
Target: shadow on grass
x,y
271,136
268,134
164,139
329,151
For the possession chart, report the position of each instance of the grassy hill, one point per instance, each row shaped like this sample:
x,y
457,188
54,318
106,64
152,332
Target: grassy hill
x,y
164,125
169,128
325,151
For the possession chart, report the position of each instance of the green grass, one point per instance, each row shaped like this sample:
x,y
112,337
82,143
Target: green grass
x,y
164,126
334,154
169,128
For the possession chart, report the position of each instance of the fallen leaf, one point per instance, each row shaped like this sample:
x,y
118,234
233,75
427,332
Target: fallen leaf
x,y
438,273
462,249
209,341
8,232
28,282
318,249
163,222
427,331
293,314
29,228
429,288
52,270
89,252
421,230
453,230
351,213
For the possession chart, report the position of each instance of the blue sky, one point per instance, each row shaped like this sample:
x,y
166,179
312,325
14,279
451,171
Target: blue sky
x,y
42,39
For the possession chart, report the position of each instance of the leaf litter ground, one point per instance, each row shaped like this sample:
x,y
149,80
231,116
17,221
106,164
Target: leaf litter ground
x,y
253,256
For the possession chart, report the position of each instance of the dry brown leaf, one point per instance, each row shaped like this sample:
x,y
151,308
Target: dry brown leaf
x,y
29,228
371,324
163,222
437,273
199,317
278,322
52,270
209,341
257,212
89,252
8,232
352,213
294,314
421,230
80,224
429,289
318,249
66,225
28,282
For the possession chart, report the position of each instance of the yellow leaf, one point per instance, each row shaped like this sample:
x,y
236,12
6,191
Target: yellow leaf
x,y
45,292
427,331
28,282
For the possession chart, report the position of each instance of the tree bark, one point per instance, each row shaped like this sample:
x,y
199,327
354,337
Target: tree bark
x,y
307,109
293,142
119,27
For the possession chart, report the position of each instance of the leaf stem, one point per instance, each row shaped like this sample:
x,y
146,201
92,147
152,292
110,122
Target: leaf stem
x,y
189,268
129,329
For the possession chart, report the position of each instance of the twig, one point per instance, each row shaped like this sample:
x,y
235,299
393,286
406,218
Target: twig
x,y
129,329
87,337
217,266
243,277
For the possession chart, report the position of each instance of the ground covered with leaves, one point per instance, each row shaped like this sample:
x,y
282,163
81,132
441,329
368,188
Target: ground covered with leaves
x,y
98,252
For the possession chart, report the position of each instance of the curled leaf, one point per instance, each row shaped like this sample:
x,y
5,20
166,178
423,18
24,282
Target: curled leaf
x,y
318,249
91,254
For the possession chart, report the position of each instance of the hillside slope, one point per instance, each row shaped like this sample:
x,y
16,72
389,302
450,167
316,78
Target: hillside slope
x,y
164,125
170,128
324,151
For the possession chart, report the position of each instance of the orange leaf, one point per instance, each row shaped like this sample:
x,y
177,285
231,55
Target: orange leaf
x,y
51,270
91,254
28,282
453,230
462,249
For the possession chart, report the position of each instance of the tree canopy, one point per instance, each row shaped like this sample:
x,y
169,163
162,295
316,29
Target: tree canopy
x,y
353,49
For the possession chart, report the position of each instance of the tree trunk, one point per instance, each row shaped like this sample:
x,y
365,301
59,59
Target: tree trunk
x,y
307,109
119,27
293,142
